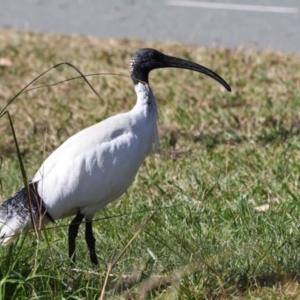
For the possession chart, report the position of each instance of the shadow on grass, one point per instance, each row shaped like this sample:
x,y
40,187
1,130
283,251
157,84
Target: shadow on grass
x,y
268,135
270,280
211,141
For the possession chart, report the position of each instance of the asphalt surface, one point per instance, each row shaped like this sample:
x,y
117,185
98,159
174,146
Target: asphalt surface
x,y
256,23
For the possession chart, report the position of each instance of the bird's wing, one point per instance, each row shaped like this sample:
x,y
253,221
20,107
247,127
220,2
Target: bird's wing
x,y
93,167
84,141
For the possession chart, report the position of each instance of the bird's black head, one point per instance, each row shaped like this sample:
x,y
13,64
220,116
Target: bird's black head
x,y
147,59
143,61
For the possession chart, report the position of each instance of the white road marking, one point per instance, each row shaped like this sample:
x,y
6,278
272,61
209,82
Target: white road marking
x,y
241,7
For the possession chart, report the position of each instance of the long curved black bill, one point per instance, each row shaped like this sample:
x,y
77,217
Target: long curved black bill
x,y
146,59
175,62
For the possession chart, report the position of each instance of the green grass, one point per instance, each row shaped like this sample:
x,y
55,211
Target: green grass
x,y
223,155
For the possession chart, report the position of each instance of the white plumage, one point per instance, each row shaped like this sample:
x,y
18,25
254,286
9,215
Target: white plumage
x,y
96,165
87,179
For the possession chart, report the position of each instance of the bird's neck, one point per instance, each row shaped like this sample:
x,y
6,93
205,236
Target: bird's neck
x,y
145,114
145,96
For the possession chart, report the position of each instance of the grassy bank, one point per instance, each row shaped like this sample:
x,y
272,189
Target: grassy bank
x,y
225,181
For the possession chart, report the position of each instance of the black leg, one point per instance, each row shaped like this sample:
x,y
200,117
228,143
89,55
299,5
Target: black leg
x,y
90,241
73,231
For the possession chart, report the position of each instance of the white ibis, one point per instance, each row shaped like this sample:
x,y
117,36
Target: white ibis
x,y
98,164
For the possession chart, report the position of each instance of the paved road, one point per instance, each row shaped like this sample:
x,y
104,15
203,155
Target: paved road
x,y
259,23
